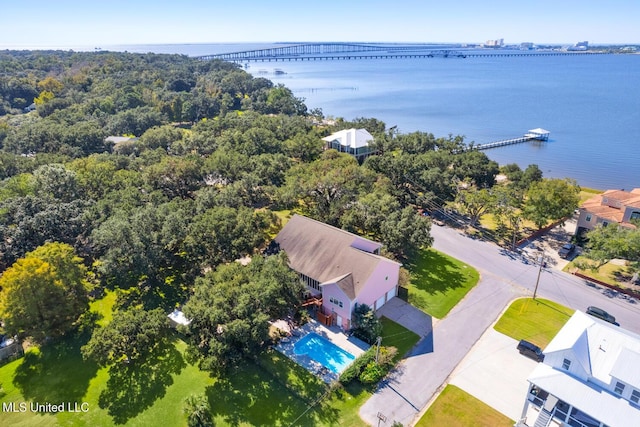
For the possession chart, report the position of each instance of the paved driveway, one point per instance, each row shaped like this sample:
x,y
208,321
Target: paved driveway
x,y
496,373
503,277
407,315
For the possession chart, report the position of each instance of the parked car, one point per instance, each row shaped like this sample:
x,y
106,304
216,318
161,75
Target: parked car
x,y
530,350
601,314
566,250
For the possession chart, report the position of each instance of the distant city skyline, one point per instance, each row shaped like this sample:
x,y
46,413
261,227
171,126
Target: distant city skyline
x,y
74,24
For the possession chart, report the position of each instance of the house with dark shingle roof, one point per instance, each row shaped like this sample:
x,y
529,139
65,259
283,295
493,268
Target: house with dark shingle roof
x,y
340,267
611,207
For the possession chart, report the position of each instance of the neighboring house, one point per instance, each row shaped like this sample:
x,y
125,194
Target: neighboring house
x,y
612,206
340,267
357,142
177,317
10,348
590,377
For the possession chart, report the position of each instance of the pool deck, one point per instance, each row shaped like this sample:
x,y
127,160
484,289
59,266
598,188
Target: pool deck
x,y
333,334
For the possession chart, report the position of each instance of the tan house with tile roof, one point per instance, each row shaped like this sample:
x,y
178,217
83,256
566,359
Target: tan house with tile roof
x,y
612,206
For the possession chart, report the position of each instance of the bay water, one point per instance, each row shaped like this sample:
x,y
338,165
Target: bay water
x,y
589,103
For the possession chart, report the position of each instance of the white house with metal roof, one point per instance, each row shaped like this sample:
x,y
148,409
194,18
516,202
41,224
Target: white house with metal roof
x,y
356,142
590,377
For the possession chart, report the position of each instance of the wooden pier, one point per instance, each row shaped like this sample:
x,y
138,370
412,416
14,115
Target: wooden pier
x,y
538,134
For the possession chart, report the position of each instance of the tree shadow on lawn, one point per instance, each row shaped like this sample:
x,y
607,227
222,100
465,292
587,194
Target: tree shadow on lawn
x,y
250,395
135,386
290,375
434,272
57,373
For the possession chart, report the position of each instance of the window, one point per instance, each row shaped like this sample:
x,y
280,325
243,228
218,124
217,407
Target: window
x,y
335,301
635,396
635,215
314,284
605,223
588,218
566,363
619,387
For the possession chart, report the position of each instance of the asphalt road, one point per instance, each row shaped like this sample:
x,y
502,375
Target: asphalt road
x,y
554,284
503,277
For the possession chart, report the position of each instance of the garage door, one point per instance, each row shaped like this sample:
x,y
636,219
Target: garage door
x,y
391,294
380,302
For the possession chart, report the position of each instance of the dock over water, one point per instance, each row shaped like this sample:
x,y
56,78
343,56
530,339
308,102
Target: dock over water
x,y
538,134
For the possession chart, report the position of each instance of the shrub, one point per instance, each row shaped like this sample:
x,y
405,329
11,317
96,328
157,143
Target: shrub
x,y
372,373
365,369
367,326
353,371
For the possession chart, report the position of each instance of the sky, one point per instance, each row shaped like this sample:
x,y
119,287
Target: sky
x,y
76,24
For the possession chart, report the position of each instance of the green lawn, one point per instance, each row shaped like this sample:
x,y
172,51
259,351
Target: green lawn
x,y
439,282
455,407
611,273
587,193
537,321
273,391
395,335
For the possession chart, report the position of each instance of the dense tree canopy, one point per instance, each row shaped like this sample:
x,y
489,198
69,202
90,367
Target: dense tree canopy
x,y
231,307
43,294
130,336
607,243
212,154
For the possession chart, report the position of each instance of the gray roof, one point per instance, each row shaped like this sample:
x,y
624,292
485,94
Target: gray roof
x,y
325,253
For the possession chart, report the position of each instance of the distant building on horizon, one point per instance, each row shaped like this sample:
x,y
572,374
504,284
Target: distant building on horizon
x,y
580,46
494,43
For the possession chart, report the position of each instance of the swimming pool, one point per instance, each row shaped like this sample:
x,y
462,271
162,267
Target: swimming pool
x,y
324,352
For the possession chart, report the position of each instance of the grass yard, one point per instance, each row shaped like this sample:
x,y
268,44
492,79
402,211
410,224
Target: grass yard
x,y
455,407
146,395
587,193
439,282
537,321
395,335
273,391
612,273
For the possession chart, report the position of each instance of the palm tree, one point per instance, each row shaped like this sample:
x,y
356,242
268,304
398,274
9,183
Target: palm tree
x,y
196,407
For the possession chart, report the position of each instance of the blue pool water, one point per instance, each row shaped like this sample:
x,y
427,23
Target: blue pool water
x,y
324,352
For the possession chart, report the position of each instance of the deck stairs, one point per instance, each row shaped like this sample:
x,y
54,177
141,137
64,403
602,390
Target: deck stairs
x,y
544,418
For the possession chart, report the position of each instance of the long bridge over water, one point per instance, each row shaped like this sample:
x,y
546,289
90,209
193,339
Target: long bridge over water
x,y
352,51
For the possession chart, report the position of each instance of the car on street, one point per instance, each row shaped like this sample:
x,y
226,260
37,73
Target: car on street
x,y
530,350
601,314
566,250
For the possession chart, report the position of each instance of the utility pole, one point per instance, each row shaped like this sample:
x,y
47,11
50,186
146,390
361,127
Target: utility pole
x,y
378,342
541,262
